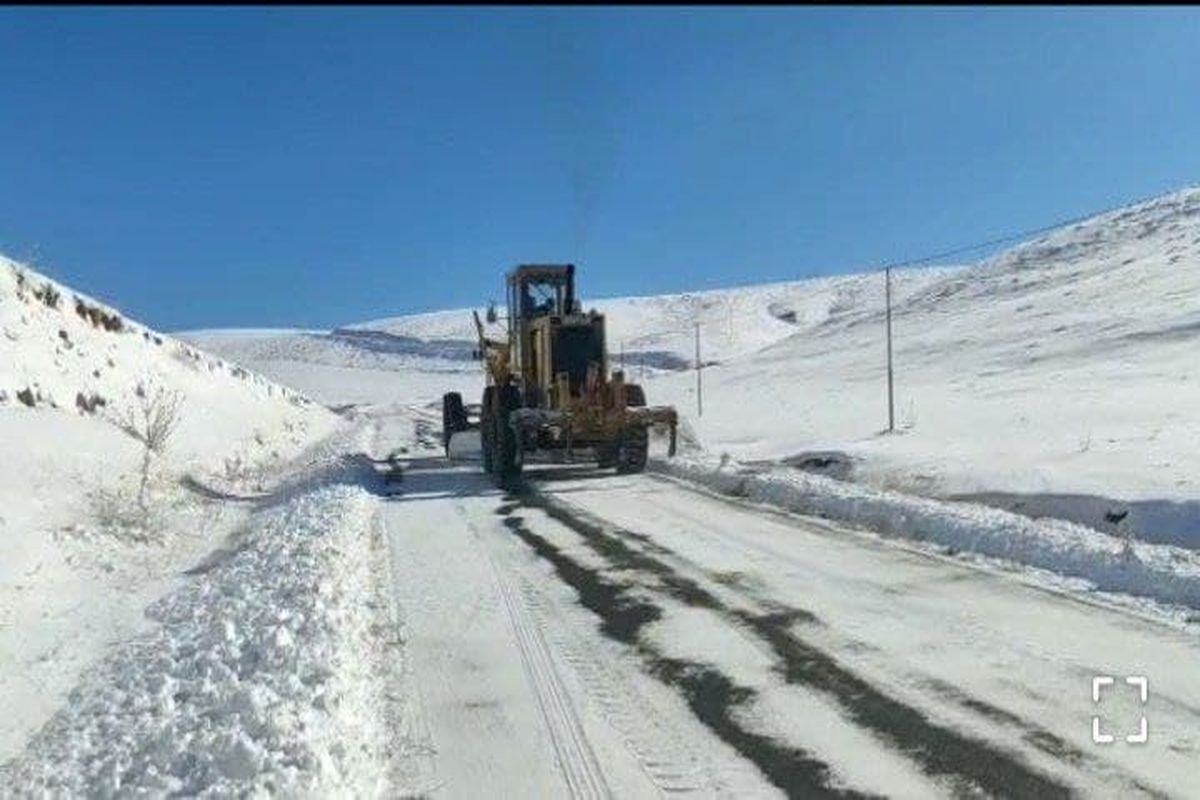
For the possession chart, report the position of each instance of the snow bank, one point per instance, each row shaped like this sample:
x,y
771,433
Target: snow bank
x,y
1163,573
258,678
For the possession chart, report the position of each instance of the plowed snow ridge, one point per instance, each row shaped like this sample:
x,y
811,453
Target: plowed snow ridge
x,y
1159,572
258,678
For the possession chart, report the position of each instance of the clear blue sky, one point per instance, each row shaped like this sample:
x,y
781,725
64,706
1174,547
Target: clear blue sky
x,y
259,167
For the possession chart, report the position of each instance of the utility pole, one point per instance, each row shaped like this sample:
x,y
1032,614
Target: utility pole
x,y
891,396
699,401
622,355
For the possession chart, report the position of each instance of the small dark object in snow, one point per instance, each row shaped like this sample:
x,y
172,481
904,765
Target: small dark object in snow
x,y
1115,517
26,397
48,295
395,472
89,403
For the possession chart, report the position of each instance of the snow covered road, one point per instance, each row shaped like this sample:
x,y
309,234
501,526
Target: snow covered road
x,y
591,635
509,687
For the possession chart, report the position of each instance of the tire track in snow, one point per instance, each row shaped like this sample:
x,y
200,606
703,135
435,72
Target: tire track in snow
x,y
970,763
712,697
576,760
670,768
414,754
1031,733
675,771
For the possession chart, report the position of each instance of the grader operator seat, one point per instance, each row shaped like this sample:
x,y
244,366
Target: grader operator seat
x,y
541,290
549,334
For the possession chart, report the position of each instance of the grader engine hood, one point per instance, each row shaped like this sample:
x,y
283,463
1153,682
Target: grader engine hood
x,y
576,343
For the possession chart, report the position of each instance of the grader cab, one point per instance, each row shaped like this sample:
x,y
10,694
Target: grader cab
x,y
549,389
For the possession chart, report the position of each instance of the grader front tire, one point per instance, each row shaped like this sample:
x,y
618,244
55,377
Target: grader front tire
x,y
486,428
507,458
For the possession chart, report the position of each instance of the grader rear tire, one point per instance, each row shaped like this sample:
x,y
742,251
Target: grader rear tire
x,y
454,417
633,451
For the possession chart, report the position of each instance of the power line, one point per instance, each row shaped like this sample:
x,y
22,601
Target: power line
x,y
887,270
1019,234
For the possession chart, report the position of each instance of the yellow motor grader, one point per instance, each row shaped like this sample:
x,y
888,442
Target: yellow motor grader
x,y
548,384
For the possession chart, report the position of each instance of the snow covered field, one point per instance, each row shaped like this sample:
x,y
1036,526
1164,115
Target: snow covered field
x,y
800,604
1064,367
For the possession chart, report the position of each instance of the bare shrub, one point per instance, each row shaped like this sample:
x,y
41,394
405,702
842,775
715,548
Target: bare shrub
x,y
244,474
119,514
98,317
48,295
151,421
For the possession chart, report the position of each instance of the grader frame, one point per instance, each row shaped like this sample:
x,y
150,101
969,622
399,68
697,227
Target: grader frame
x,y
549,389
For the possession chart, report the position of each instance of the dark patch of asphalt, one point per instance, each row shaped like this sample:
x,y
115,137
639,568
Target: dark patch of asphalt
x,y
969,765
712,697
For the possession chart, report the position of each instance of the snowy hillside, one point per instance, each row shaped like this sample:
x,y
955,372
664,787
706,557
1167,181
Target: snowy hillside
x,y
417,358
1057,377
1064,366
658,332
339,369
79,552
